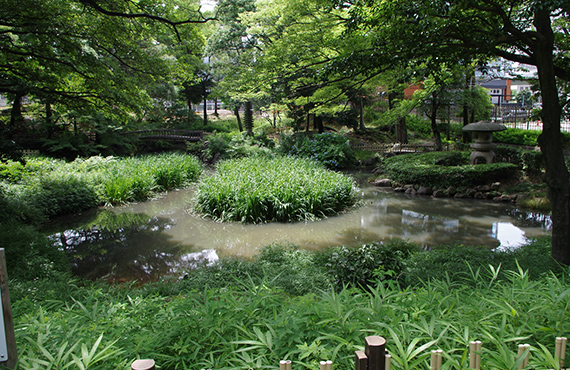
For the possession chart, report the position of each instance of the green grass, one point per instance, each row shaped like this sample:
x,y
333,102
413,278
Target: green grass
x,y
240,314
45,187
284,189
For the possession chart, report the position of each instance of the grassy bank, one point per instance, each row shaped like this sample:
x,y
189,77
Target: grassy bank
x,y
247,314
45,187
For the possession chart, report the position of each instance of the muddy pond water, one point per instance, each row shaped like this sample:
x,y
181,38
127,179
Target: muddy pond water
x,y
151,240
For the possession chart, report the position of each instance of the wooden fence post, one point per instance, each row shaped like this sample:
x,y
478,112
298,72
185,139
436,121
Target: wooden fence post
x,y
143,365
436,359
475,355
375,350
360,361
560,352
8,359
522,349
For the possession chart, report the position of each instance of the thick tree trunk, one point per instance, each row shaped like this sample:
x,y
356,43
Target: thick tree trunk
x,y
16,116
248,118
402,131
433,121
236,112
556,176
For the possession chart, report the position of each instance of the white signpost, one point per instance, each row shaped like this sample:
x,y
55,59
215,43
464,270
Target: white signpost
x,y
8,350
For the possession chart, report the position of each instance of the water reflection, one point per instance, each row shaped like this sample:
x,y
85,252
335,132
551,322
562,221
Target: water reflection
x,y
146,241
127,246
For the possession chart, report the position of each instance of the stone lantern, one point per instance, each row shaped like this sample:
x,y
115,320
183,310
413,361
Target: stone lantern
x,y
483,137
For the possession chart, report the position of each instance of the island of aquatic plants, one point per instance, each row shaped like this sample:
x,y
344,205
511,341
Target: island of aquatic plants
x,y
281,189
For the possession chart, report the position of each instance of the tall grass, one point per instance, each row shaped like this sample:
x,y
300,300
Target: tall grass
x,y
48,187
253,324
284,189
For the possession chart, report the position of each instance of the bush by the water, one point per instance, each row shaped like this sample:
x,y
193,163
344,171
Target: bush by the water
x,y
422,169
283,189
332,150
44,187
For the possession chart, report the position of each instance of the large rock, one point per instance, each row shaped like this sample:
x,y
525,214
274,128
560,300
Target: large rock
x,y
425,190
383,183
439,193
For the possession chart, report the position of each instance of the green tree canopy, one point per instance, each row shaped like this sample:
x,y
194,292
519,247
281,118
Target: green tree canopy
x,y
533,32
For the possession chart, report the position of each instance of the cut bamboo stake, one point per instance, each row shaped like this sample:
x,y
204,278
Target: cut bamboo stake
x,y
522,349
374,349
143,365
475,355
436,359
360,360
560,352
285,365
388,361
326,365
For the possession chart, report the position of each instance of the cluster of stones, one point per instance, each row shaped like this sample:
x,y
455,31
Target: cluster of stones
x,y
489,192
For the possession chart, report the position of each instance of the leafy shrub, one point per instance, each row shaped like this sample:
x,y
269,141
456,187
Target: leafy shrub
x,y
454,158
63,195
237,145
292,269
419,169
11,170
517,136
419,126
332,150
364,266
282,189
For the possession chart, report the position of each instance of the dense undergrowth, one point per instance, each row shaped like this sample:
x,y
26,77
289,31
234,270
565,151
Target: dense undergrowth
x,y
305,306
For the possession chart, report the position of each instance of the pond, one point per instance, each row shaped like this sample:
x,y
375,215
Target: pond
x,y
151,240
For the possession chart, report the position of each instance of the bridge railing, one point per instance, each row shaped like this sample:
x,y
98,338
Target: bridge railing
x,y
167,134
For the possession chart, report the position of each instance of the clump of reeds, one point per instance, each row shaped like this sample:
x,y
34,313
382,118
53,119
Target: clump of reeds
x,y
284,189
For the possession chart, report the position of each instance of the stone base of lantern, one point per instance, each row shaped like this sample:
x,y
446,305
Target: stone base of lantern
x,y
477,157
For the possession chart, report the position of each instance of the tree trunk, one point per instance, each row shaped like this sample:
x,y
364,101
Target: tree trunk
x,y
362,127
556,176
319,124
205,109
402,131
466,136
433,121
236,112
248,118
16,116
216,107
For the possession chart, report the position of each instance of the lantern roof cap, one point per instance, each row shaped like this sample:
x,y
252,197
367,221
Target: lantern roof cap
x,y
484,126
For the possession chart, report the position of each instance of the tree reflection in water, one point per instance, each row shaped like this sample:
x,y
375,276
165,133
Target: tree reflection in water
x,y
126,246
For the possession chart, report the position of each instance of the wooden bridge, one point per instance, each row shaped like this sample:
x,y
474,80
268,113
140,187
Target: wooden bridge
x,y
167,134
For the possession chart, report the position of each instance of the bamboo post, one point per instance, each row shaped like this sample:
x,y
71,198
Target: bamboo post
x,y
560,352
374,349
326,365
522,349
143,365
388,361
360,361
9,358
285,365
436,359
475,355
